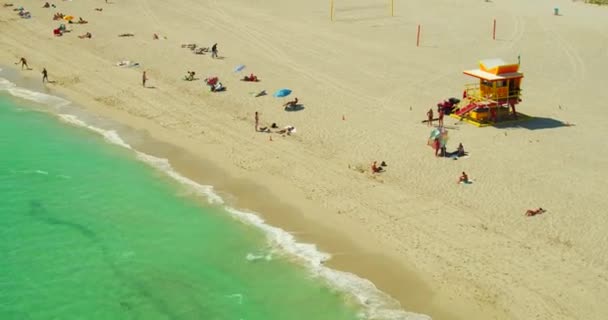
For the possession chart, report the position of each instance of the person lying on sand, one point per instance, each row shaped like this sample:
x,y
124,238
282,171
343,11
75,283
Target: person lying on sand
x,y
291,104
126,35
82,21
87,35
464,178
200,50
6,5
252,77
99,9
533,212
287,130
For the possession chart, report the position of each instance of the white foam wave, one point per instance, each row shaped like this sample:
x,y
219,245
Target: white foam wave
x,y
378,305
254,257
109,135
38,97
165,166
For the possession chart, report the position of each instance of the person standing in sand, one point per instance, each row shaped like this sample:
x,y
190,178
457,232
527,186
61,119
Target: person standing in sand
x,y
144,78
441,112
23,63
45,75
257,121
430,117
214,51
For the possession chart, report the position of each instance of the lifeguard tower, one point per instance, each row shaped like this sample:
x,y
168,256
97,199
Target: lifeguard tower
x,y
493,99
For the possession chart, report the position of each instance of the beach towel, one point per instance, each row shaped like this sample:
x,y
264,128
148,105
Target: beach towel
x,y
127,64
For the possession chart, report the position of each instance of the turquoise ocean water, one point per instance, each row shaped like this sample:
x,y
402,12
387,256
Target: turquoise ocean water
x,y
96,230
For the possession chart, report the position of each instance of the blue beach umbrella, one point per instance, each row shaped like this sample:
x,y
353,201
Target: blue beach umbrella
x,y
239,68
282,93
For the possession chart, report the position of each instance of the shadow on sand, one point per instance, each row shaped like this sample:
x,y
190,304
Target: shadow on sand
x,y
536,123
297,107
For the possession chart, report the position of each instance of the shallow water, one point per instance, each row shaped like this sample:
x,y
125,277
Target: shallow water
x,y
90,232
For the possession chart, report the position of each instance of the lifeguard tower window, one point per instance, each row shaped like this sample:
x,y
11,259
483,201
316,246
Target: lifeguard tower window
x,y
486,83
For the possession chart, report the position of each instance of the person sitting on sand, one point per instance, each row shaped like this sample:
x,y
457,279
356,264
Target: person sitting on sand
x,y
460,151
190,76
58,16
82,21
155,37
463,178
25,14
533,212
46,5
217,87
251,77
291,104
376,168
87,35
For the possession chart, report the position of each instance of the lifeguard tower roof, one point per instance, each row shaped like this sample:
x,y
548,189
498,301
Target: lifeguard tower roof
x,y
495,69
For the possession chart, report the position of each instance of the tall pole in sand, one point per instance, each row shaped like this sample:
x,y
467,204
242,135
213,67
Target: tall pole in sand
x,y
418,37
494,31
331,10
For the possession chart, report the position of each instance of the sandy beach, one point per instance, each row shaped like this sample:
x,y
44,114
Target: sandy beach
x,y
443,249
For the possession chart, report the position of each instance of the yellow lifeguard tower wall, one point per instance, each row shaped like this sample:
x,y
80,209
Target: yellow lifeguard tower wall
x,y
497,80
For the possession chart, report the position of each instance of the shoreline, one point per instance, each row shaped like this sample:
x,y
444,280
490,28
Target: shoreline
x,y
452,253
238,194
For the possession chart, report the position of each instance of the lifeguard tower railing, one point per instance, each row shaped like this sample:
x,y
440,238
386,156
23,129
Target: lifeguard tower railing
x,y
490,93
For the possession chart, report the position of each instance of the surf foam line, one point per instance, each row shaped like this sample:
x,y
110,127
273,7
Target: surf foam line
x,y
38,97
377,304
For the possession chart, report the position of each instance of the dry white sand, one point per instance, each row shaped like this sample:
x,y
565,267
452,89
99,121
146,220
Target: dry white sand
x,y
470,244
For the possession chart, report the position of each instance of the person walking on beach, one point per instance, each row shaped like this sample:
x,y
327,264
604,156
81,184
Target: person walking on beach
x,y
144,78
214,51
45,75
430,117
257,121
23,63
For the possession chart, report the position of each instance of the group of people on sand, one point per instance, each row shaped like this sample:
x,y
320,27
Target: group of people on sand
x,y
23,62
288,130
431,117
24,14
